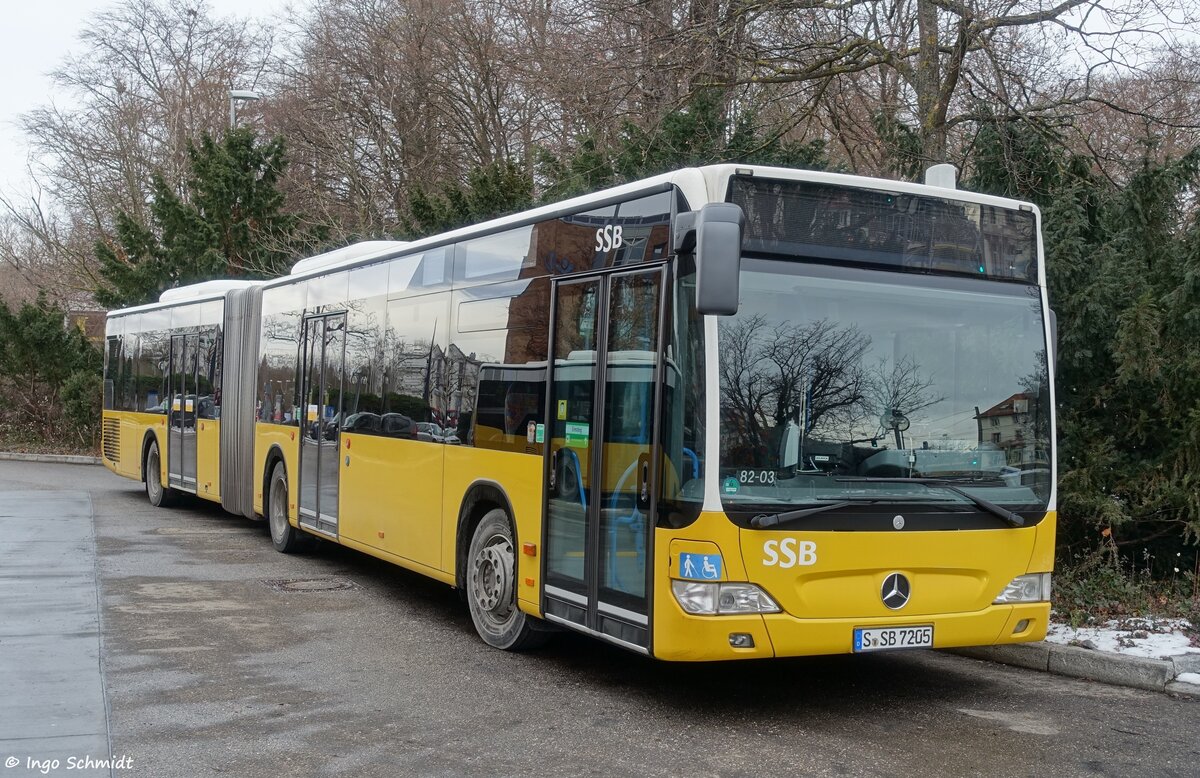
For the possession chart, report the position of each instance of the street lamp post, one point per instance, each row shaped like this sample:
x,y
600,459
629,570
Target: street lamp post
x,y
236,96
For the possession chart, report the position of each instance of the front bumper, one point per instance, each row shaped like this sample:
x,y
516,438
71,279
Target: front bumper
x,y
680,637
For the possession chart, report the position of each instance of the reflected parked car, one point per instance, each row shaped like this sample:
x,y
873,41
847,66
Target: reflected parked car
x,y
362,422
430,432
397,425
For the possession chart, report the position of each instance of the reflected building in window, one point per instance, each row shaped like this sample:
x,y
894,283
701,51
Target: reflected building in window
x,y
1009,426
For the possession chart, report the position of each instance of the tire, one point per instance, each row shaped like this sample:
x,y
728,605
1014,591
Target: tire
x,y
286,538
491,588
159,494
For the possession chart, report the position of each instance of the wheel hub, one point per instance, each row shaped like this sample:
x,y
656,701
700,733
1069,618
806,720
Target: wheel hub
x,y
492,576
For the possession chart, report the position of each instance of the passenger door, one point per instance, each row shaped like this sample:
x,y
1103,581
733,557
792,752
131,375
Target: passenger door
x,y
321,417
181,412
601,435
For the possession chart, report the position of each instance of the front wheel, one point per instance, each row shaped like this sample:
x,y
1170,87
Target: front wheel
x,y
492,587
286,538
160,495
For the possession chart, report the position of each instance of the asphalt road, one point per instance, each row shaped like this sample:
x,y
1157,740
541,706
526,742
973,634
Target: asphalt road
x,y
219,656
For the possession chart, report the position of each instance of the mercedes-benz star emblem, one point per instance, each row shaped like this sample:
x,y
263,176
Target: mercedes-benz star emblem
x,y
896,591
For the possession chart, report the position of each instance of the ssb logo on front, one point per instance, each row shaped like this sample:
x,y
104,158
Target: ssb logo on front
x,y
789,552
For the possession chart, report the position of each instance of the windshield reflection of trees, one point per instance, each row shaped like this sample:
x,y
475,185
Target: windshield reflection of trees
x,y
808,398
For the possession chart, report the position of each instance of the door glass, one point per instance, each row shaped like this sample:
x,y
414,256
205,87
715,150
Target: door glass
x,y
630,369
188,412
331,416
175,412
570,433
310,418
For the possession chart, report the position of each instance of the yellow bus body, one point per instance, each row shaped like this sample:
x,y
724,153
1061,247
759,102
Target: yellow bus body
x,y
408,515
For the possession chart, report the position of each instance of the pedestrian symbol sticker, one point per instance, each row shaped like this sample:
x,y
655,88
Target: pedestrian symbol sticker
x,y
700,567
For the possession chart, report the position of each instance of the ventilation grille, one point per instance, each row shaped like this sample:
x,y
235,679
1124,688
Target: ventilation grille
x,y
112,440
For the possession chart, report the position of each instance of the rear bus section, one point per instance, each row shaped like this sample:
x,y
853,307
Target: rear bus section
x,y
171,392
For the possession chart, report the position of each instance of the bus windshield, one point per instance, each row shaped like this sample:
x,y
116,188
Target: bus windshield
x,y
848,384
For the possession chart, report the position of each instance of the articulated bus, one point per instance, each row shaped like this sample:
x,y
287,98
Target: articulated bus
x,y
721,413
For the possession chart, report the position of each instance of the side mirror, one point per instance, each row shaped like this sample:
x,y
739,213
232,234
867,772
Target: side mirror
x,y
714,234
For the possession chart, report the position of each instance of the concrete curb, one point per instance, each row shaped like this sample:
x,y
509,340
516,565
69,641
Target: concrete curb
x,y
1156,675
61,459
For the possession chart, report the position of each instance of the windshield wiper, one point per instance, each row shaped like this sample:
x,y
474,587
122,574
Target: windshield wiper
x,y
764,520
1014,519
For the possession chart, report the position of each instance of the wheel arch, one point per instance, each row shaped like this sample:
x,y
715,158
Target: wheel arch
x,y
150,436
480,497
274,456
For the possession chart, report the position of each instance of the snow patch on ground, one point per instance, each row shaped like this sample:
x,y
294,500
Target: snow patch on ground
x,y
1188,678
1144,637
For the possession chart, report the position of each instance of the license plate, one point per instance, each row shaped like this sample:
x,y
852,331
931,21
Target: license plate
x,y
885,638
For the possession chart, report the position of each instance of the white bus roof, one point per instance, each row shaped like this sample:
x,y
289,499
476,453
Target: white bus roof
x,y
192,293
699,185
347,254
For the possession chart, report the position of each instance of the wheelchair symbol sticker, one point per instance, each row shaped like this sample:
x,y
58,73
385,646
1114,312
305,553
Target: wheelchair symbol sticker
x,y
700,567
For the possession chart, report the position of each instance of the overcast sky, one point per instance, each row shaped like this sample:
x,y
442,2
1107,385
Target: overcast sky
x,y
34,37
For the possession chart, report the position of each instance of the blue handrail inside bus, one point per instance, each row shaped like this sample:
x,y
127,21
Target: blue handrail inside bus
x,y
695,461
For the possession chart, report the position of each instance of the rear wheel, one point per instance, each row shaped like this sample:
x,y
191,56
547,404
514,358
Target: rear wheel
x,y
492,589
286,538
160,495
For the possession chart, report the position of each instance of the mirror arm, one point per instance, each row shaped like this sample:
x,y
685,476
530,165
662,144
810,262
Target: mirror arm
x,y
685,232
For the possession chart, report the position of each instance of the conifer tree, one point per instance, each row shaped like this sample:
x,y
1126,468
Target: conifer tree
x,y
490,191
228,220
1123,267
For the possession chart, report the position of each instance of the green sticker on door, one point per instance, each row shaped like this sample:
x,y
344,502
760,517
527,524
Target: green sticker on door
x,y
577,434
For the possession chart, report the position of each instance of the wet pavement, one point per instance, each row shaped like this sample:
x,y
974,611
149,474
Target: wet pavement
x,y
219,656
53,703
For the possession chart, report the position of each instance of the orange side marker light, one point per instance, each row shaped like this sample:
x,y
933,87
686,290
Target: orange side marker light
x,y
529,549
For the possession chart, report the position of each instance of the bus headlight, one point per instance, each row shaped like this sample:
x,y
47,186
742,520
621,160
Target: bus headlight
x,y
1032,587
722,599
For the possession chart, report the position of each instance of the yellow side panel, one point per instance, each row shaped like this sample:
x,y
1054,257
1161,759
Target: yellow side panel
x,y
1042,560
208,459
680,637
267,436
390,496
408,564
520,477
132,429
